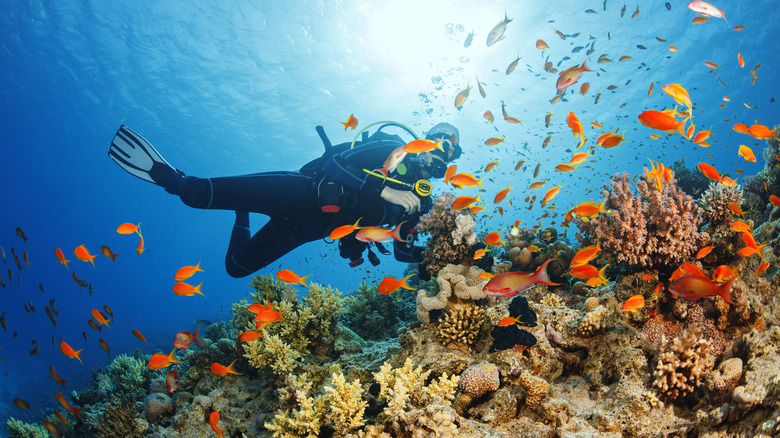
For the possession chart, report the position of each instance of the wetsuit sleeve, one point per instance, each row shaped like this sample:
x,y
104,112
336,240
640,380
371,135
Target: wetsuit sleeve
x,y
407,252
347,168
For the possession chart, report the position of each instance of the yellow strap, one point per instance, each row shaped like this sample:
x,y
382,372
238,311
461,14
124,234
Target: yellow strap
x,y
379,175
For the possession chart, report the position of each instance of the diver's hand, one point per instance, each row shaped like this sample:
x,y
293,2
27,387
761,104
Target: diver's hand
x,y
406,199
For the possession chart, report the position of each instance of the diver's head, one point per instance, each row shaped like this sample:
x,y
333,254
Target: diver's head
x,y
435,162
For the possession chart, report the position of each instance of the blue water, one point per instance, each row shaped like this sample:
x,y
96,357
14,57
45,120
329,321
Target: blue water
x,y
235,88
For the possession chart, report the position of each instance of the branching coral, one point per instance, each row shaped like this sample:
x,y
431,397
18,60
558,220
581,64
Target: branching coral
x,y
345,405
20,429
460,326
272,352
648,228
404,387
451,238
683,363
118,419
305,421
714,203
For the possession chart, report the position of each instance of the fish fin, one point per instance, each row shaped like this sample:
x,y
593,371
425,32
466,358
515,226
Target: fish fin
x,y
724,291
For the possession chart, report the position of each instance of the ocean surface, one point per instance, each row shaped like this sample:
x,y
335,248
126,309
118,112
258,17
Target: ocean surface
x,y
238,87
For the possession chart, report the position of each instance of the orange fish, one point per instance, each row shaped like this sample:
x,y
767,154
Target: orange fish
x,y
108,253
576,127
461,97
492,141
750,241
565,168
450,172
488,116
138,335
736,209
56,377
422,145
509,320
51,428
477,209
541,45
61,257
570,76
379,234
213,422
550,194
590,209
761,132
464,202
510,284
351,122
711,65
250,336
21,404
694,285
500,196
699,20
491,165
171,377
494,239
740,60
596,125
186,272
633,304
160,361
610,140
68,351
183,339
584,88
128,228
478,254
585,255
709,172
187,290
741,128
536,184
728,182
389,284
579,158
486,275
65,404
774,200
82,254
344,230
584,272
60,417
104,346
662,122
704,251
762,268
140,249
266,316
746,153
222,370
465,180
100,317
740,227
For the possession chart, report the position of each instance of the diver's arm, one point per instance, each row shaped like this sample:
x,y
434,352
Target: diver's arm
x,y
347,168
405,198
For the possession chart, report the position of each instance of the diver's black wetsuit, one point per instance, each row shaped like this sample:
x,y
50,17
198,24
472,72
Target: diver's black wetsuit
x,y
292,202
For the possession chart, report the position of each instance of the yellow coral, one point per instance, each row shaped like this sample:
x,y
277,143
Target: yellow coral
x,y
461,325
345,405
303,422
535,389
406,386
271,352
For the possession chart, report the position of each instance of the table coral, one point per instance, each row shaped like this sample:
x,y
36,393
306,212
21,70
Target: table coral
x,y
648,228
683,364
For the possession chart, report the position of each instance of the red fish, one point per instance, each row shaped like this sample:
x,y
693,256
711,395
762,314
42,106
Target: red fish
x,y
68,351
344,230
392,161
389,284
694,285
171,379
213,422
138,335
184,339
550,194
510,284
108,253
222,370
64,403
570,76
351,122
159,361
762,132
186,272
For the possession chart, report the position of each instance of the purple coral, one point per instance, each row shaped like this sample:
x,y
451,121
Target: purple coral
x,y
648,228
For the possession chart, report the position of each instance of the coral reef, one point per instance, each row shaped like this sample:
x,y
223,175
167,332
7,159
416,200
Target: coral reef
x,y
683,364
714,203
474,382
535,389
405,387
451,237
459,286
118,419
645,229
460,327
375,316
20,429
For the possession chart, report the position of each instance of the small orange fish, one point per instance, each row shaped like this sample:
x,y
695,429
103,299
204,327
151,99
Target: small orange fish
x,y
736,209
60,417
584,272
82,254
564,167
541,45
422,145
478,254
100,317
536,185
590,209
576,128
138,335
213,422
477,209
65,404
551,194
491,165
761,132
533,248
704,251
494,239
486,275
465,180
344,230
140,249
222,370
699,20
492,141
108,253
633,304
68,351
21,404
462,95
451,171
740,227
51,428
250,336
379,234
740,60
585,255
584,89
351,122
390,284
500,196
186,272
488,116
56,377
291,277
741,128
579,158
662,122
711,65
393,160
746,153
187,290
61,257
183,339
610,140
159,361
762,268
104,346
774,200
673,48
171,379
128,228
267,316
750,241
709,172
464,202
506,322
596,125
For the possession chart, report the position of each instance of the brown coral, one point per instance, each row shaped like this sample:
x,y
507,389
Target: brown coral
x,y
441,224
648,228
593,321
657,327
535,389
714,203
724,379
460,327
683,364
474,382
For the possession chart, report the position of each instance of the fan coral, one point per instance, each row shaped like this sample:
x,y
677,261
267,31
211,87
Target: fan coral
x,y
651,228
450,241
714,203
535,389
460,326
683,364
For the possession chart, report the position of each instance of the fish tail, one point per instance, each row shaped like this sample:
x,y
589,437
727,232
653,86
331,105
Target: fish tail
x,y
383,171
541,276
195,337
724,291
303,280
584,68
404,283
396,232
230,369
77,355
479,182
197,289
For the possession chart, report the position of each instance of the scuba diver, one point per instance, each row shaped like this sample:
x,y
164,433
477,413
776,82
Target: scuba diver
x,y
339,188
